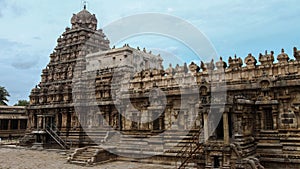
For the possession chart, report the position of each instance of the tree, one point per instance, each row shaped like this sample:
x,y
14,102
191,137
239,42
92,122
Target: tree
x,y
22,103
3,96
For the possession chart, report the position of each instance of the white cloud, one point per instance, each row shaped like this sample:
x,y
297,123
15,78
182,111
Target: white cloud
x,y
169,10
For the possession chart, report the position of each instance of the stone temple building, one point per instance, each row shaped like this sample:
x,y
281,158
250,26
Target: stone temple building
x,y
13,121
90,91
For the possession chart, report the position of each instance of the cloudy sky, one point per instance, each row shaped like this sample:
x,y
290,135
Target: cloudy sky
x,y
29,30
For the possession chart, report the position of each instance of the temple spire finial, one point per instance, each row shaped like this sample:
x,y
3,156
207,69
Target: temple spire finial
x,y
84,4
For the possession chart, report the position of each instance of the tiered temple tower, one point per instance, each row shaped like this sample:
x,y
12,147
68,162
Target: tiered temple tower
x,y
51,100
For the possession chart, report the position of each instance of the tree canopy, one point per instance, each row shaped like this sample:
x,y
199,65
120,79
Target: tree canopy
x,y
3,96
22,103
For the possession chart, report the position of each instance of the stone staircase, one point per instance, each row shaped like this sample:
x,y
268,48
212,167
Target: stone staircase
x,y
163,149
97,135
90,155
83,156
269,143
142,147
57,138
190,151
246,145
290,140
175,141
90,137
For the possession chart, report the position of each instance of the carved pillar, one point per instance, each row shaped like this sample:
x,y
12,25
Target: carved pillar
x,y
275,116
226,128
150,124
205,118
40,122
191,116
44,122
226,161
64,118
208,161
30,121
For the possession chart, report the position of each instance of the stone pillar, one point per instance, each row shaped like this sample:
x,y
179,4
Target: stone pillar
x,y
19,124
275,116
29,121
205,118
162,121
9,124
191,116
226,161
174,119
226,128
64,118
261,114
44,122
209,162
37,122
275,121
149,113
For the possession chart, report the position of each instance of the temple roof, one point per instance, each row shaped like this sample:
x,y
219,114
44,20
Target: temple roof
x,y
84,19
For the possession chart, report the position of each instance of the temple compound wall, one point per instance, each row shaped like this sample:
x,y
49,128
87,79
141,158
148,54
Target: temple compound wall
x,y
87,84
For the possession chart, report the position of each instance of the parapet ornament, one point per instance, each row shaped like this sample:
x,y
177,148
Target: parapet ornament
x,y
283,57
221,64
297,54
266,59
250,61
235,63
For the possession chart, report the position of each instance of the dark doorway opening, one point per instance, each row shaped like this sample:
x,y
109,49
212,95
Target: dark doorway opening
x,y
268,119
14,124
230,125
68,123
220,130
4,124
155,122
59,120
216,162
23,124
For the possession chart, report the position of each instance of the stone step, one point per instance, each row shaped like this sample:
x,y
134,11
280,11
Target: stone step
x,y
78,162
87,154
169,144
82,158
137,152
89,151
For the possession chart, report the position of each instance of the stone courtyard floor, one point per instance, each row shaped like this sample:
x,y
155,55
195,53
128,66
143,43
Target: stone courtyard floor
x,y
15,158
